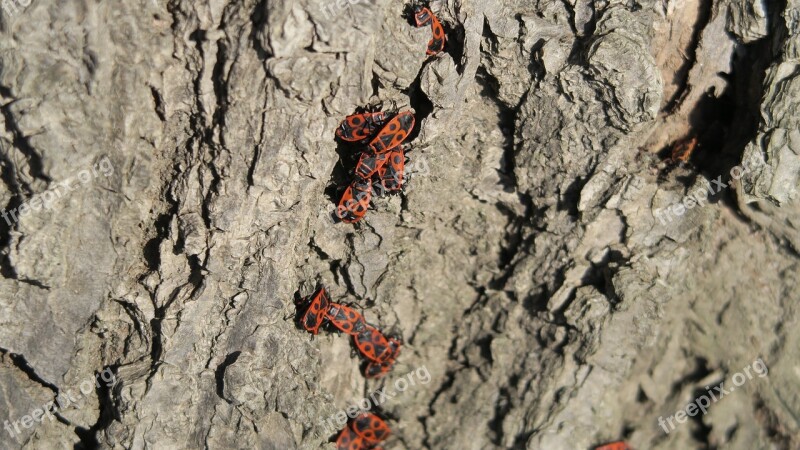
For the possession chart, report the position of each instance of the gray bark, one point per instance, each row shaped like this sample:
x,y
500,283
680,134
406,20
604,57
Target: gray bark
x,y
526,265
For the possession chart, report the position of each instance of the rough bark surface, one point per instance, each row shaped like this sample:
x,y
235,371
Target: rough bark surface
x,y
526,268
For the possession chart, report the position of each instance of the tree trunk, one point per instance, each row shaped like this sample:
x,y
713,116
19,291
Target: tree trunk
x,y
561,274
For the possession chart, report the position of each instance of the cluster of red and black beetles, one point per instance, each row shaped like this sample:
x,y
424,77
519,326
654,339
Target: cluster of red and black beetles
x,y
382,163
379,351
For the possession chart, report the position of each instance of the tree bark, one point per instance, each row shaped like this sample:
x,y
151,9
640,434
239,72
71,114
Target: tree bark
x,y
169,171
